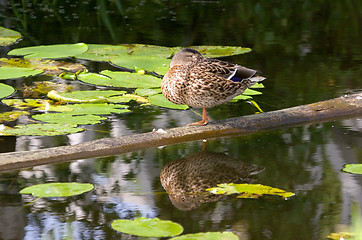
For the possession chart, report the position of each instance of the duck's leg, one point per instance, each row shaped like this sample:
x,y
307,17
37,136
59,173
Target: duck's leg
x,y
203,121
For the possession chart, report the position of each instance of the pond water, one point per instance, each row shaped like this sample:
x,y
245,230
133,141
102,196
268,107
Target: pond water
x,y
308,50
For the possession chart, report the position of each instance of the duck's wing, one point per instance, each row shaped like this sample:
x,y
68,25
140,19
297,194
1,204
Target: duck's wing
x,y
226,70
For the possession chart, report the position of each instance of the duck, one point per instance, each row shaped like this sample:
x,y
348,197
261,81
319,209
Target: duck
x,y
202,82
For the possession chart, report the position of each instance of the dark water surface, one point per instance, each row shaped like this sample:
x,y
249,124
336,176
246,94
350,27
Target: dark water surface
x,y
308,50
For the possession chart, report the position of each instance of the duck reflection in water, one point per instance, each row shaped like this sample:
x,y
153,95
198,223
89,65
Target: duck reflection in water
x,y
186,179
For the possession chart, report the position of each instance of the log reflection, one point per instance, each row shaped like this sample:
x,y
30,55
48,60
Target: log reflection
x,y
186,179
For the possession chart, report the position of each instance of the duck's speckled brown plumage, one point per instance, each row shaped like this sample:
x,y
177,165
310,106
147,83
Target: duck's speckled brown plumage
x,y
203,82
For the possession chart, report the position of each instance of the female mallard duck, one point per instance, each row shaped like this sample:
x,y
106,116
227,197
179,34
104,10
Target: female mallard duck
x,y
204,82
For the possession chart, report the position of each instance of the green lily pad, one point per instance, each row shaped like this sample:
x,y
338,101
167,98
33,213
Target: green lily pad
x,y
353,168
97,108
249,190
220,51
17,72
130,80
8,36
36,104
150,63
147,227
6,90
49,67
57,189
161,101
68,118
145,92
101,52
149,50
11,116
51,51
40,130
208,236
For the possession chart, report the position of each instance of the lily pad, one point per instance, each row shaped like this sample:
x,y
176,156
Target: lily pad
x,y
57,189
40,130
145,92
208,236
101,52
149,50
94,96
68,118
17,72
220,51
49,67
341,236
6,90
251,92
51,51
36,104
129,80
248,190
43,88
149,63
257,85
11,116
241,97
161,101
147,227
8,36
97,108
353,168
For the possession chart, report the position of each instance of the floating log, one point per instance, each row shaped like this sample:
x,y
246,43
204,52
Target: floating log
x,y
338,108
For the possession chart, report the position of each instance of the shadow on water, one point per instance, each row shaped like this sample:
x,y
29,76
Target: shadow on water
x,y
186,179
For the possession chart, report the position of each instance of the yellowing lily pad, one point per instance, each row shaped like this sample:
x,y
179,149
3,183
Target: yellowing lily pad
x,y
208,236
341,235
11,116
57,189
40,130
147,227
353,168
68,118
6,90
36,104
17,72
257,85
51,51
92,96
249,190
8,36
241,97
43,88
161,101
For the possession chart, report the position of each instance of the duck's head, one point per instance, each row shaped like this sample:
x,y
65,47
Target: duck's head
x,y
185,56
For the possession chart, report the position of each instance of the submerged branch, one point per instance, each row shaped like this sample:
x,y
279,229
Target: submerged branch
x,y
333,109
